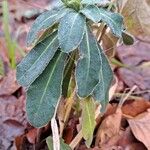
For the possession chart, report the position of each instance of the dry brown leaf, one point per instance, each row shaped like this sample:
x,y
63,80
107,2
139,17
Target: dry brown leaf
x,y
137,14
112,142
109,127
136,146
140,126
113,88
126,138
139,77
109,44
135,107
135,54
31,135
9,84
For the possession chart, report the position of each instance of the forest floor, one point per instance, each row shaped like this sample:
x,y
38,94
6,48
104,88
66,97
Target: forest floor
x,y
123,126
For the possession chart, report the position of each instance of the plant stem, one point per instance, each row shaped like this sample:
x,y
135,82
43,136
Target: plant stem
x,y
10,44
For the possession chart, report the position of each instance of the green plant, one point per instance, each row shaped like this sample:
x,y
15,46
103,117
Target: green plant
x,y
10,43
67,40
1,67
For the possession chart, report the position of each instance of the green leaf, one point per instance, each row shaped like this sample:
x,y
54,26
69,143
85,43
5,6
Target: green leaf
x,y
45,91
71,31
88,120
44,21
67,75
63,146
113,20
99,2
127,38
89,65
101,92
37,59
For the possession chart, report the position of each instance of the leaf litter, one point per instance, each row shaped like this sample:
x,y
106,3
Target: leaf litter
x,y
119,128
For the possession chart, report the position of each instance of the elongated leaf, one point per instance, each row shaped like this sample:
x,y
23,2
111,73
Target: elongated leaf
x,y
99,2
127,38
113,20
88,120
67,75
44,21
43,94
71,31
37,59
63,146
102,89
89,65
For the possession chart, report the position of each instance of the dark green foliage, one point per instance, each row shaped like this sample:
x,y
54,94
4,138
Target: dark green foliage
x,y
44,70
89,65
36,61
43,94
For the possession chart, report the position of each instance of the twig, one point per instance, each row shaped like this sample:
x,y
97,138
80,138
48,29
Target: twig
x,y
126,97
103,27
76,140
55,133
130,97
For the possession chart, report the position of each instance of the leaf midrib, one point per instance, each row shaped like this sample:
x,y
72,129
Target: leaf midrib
x,y
88,53
52,16
38,58
71,28
45,89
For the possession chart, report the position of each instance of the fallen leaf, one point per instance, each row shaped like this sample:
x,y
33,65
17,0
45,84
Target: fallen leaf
x,y
31,135
18,142
109,44
135,107
9,84
12,108
113,88
109,127
136,16
136,146
126,139
112,142
134,54
140,126
12,119
139,77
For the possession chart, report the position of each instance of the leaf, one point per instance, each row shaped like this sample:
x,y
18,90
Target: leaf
x,y
8,84
101,92
89,65
109,127
140,127
67,75
37,59
127,38
99,2
136,16
49,142
71,31
43,94
113,20
88,120
1,68
135,107
44,21
109,42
